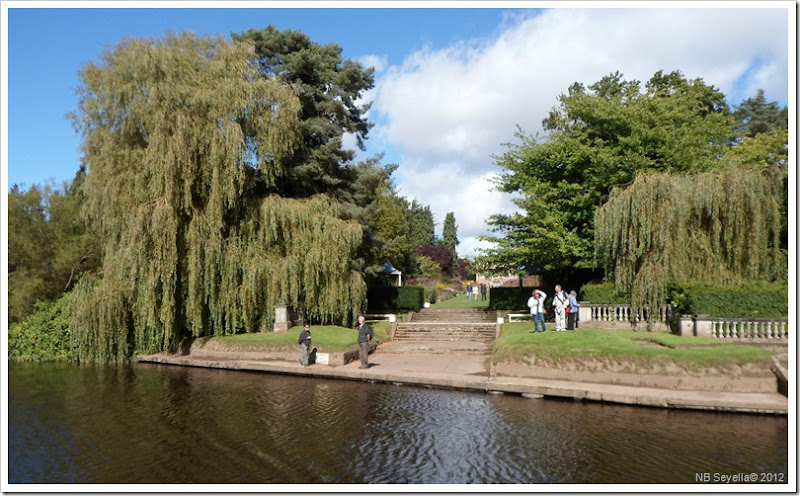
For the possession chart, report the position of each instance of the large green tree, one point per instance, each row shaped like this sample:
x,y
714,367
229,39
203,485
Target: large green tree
x,y
450,232
176,133
598,137
758,116
49,246
329,89
721,226
421,223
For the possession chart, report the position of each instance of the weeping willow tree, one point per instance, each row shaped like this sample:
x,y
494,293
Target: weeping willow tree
x,y
176,134
720,227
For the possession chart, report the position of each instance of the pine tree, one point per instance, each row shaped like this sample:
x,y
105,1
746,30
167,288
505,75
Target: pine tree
x,y
450,233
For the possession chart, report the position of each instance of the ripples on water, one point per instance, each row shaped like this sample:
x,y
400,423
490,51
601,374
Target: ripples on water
x,y
159,424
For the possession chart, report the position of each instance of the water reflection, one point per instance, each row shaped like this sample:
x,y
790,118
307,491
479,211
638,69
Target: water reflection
x,y
159,424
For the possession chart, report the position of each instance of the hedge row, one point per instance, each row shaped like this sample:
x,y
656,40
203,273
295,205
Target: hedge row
x,y
392,298
752,300
505,298
603,292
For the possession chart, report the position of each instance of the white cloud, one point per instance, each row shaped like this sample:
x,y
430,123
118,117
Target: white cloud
x,y
378,62
447,111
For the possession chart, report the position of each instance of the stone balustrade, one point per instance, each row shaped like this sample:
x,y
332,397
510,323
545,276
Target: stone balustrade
x,y
619,313
730,328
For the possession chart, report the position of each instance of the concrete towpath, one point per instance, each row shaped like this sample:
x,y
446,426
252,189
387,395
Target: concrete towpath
x,y
467,366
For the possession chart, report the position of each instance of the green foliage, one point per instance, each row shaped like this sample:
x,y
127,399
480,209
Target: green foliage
x,y
599,137
450,232
45,334
420,219
749,300
176,134
428,267
387,219
721,227
431,295
604,292
510,298
49,245
552,348
329,89
393,298
757,116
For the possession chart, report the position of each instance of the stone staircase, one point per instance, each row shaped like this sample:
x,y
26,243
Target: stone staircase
x,y
448,325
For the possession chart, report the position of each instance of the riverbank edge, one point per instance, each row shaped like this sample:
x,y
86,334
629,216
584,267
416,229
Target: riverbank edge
x,y
763,403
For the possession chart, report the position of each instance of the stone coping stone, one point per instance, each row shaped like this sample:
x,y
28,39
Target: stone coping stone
x,y
766,403
740,384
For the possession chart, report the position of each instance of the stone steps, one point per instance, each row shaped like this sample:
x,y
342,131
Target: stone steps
x,y
448,325
453,315
441,331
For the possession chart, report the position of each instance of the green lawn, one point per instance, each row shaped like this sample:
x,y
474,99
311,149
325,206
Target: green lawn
x,y
324,338
516,340
461,301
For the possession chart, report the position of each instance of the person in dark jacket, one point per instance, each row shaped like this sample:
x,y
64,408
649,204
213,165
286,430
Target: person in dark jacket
x,y
365,335
305,343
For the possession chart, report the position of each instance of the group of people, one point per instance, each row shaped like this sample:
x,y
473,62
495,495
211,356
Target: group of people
x,y
473,289
565,307
365,335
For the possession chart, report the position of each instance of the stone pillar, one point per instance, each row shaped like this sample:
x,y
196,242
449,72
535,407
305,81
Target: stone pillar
x,y
283,318
584,311
685,325
702,326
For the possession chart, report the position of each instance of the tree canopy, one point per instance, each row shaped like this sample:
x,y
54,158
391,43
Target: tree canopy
x,y
598,137
329,90
49,246
719,227
176,133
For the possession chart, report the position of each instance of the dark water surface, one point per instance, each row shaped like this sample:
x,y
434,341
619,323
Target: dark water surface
x,y
146,423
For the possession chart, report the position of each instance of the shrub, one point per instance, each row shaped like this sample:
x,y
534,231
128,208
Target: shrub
x,y
604,292
45,334
504,298
393,298
752,300
430,295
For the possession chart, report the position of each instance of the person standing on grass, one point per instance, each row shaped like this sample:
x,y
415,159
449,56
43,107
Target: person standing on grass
x,y
483,291
536,304
475,291
469,292
572,316
305,343
365,335
560,302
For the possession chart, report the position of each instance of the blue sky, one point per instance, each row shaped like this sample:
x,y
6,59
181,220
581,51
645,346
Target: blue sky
x,y
48,47
452,84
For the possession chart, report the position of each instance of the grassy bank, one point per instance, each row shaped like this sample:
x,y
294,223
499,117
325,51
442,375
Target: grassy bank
x,y
325,338
517,341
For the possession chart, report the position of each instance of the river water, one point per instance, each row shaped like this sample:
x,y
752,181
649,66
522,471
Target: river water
x,y
147,423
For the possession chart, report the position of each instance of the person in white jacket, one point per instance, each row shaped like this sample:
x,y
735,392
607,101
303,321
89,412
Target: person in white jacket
x,y
536,304
560,302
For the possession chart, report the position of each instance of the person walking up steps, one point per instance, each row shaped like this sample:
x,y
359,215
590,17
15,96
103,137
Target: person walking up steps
x,y
536,304
560,302
365,335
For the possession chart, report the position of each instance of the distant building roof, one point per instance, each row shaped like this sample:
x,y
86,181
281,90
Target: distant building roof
x,y
389,269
